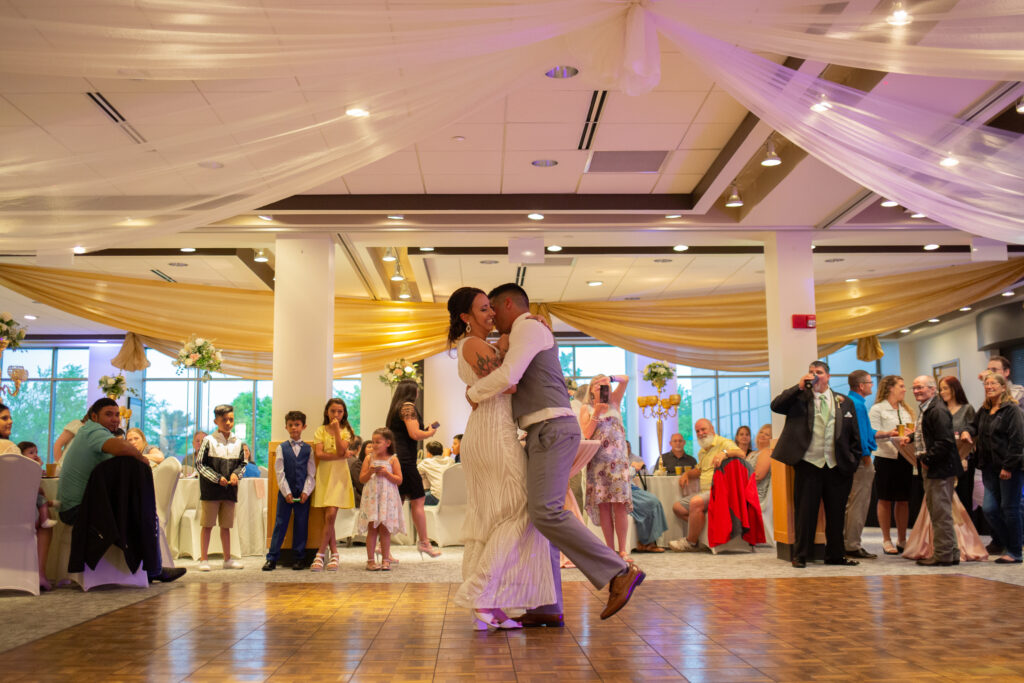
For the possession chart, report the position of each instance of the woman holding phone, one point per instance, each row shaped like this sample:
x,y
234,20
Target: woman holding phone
x,y
405,423
609,494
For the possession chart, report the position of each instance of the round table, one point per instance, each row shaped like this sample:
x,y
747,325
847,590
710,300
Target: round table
x,y
250,513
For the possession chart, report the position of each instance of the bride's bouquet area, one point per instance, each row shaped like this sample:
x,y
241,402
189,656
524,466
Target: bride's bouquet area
x,y
400,369
200,354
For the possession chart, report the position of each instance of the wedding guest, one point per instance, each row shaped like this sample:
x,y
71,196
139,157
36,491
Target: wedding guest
x,y
333,478
197,441
251,468
952,394
743,440
1001,366
609,498
220,465
647,511
355,463
998,435
295,472
761,460
432,469
65,437
857,504
137,438
677,455
407,427
380,513
456,450
893,473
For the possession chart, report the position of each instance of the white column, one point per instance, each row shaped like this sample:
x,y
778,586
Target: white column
x,y
444,396
648,426
303,328
100,356
374,401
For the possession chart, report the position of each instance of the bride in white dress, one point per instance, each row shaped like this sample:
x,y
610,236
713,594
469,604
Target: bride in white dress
x,y
506,564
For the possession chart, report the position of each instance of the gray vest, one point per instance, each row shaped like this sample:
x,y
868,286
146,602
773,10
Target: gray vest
x,y
542,385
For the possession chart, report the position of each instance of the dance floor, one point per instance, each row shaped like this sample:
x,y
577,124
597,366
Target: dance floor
x,y
859,628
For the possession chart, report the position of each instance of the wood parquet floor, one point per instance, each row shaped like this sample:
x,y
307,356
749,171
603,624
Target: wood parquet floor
x,y
892,628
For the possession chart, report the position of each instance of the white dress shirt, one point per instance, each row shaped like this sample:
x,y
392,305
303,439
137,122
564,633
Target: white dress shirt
x,y
282,481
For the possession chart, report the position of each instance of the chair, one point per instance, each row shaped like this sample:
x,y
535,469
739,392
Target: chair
x,y
345,525
444,520
19,560
729,474
264,471
165,481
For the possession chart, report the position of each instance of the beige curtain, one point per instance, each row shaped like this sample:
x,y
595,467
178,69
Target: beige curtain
x,y
869,349
725,332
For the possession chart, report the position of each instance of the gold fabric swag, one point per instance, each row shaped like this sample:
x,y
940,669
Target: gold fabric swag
x,y
724,332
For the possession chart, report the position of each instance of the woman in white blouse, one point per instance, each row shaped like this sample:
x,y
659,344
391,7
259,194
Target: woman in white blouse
x,y
894,474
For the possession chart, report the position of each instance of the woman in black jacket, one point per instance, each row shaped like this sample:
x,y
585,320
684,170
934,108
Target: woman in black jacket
x,y
998,432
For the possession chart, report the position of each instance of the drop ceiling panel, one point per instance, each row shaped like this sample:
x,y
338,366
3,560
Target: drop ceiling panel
x,y
179,108
720,107
24,143
680,73
627,136
533,106
466,183
24,83
492,112
49,109
549,136
403,161
10,116
337,186
399,183
570,162
677,184
461,162
707,135
539,183
654,107
108,86
617,183
689,162
85,139
478,136
250,85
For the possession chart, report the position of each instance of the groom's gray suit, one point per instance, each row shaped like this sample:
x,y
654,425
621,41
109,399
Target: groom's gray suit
x,y
540,405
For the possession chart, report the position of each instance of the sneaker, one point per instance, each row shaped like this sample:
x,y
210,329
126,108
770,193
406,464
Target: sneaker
x,y
204,566
683,545
233,564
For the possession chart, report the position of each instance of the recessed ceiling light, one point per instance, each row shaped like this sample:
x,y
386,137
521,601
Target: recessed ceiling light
x,y
177,264
1010,293
213,165
681,247
488,262
535,216
265,217
771,158
426,249
905,331
101,341
398,275
674,215
187,250
78,250
899,16
562,72
357,112
964,309
889,203
594,283
261,256
931,247
851,279
813,247
733,200
918,214
389,255
949,161
544,163
663,260
933,320
554,247
458,138
1020,106
396,217
30,317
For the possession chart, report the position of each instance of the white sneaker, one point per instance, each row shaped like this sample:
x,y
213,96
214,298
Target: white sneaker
x,y
684,546
233,564
204,566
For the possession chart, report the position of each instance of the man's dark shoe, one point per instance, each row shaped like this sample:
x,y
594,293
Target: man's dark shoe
x,y
861,554
932,562
620,589
169,574
300,564
994,548
269,566
530,620
799,564
843,562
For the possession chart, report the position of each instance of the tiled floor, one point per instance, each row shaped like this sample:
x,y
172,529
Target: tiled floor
x,y
889,628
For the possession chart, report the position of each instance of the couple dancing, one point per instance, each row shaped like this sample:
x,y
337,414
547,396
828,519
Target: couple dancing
x,y
516,522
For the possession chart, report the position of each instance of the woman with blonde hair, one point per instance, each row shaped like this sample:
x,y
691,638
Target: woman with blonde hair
x,y
998,435
894,474
137,438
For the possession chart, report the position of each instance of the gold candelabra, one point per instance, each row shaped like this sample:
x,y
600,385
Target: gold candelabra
x,y
17,373
659,408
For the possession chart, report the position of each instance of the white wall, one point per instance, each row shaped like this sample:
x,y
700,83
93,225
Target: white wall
x,y
958,341
444,397
374,401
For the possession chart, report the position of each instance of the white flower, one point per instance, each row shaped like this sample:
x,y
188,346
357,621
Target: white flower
x,y
219,357
6,316
188,362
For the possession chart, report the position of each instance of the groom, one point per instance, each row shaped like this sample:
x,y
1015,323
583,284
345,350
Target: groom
x,y
541,407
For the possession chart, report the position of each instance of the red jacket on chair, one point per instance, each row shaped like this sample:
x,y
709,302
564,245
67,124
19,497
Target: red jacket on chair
x,y
734,507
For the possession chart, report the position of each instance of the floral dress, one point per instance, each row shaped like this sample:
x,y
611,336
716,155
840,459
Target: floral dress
x,y
381,503
609,473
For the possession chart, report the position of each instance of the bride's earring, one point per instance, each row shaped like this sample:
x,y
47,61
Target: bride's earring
x,y
469,329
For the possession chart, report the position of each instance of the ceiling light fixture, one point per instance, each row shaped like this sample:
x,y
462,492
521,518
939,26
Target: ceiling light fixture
x,y
544,163
918,214
1009,293
889,203
733,200
562,72
30,317
905,331
1020,106
357,112
265,217
851,279
771,158
488,262
681,247
399,276
403,291
396,217
964,309
933,320
822,105
261,256
899,16
674,215
949,161
535,216
78,250
389,255
554,247
458,138
426,249
931,247
594,283
187,250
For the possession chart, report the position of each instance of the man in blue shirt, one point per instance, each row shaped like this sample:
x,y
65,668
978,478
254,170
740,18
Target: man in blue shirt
x,y
861,386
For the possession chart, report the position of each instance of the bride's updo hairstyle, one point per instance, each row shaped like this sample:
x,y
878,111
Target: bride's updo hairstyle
x,y
461,301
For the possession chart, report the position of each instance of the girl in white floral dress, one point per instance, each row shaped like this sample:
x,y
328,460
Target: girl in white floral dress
x,y
380,510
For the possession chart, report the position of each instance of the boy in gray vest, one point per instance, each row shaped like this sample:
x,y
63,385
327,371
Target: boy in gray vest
x,y
295,471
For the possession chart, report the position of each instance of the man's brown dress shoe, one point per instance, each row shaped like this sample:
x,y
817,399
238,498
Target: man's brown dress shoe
x,y
529,620
621,588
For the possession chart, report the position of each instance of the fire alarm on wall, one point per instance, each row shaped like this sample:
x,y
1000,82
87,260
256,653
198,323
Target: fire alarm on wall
x,y
804,321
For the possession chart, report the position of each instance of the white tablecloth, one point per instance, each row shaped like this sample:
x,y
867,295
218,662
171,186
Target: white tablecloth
x,y
250,513
666,489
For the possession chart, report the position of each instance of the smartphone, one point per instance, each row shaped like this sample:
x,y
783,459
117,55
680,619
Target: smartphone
x,y
602,393
435,424
379,463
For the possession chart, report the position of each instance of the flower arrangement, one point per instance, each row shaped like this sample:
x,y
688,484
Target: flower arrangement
x,y
570,385
199,353
659,373
398,370
115,386
11,332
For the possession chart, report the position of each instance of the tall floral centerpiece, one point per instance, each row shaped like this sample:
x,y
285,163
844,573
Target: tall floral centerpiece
x,y
659,373
400,369
12,334
200,354
115,386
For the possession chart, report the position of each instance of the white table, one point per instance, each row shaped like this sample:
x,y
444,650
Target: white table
x,y
666,489
250,513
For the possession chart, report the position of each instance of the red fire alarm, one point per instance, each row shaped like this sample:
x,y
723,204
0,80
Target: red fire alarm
x,y
804,321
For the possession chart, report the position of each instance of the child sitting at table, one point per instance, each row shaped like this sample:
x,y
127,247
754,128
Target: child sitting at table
x,y
295,471
220,465
43,521
380,510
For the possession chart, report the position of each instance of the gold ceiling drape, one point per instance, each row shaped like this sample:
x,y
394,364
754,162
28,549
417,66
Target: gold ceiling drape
x,y
725,332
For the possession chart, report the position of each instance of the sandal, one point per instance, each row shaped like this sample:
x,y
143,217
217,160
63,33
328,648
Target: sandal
x,y
318,563
385,565
624,555
372,566
889,549
332,565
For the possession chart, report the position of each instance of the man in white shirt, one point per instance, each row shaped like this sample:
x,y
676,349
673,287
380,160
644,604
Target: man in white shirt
x,y
432,469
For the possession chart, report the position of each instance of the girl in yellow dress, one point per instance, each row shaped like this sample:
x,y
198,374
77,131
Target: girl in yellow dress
x,y
333,480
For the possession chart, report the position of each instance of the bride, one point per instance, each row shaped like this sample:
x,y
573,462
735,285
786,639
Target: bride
x,y
506,564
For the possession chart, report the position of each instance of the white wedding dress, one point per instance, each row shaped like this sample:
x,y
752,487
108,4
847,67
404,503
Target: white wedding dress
x,y
506,563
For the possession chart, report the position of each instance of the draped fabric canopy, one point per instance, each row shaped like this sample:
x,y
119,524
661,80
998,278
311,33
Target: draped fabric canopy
x,y
416,68
725,332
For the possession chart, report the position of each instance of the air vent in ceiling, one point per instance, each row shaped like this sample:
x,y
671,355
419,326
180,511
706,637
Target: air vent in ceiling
x,y
162,275
593,116
626,162
557,261
114,115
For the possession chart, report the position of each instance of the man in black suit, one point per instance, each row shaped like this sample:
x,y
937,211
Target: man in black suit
x,y
821,441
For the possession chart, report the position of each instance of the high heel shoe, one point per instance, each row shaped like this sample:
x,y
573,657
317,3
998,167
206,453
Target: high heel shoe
x,y
489,622
424,547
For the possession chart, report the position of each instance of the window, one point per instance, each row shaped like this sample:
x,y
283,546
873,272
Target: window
x,y
583,362
348,390
47,401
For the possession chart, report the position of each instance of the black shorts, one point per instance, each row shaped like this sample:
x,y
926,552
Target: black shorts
x,y
893,478
411,487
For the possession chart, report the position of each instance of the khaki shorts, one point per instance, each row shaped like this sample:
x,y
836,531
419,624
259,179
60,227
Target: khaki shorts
x,y
212,510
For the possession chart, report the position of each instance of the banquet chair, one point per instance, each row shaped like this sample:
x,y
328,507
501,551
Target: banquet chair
x,y
444,520
165,480
19,561
264,472
345,525
189,529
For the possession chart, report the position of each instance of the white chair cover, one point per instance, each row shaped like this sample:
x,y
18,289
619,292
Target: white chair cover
x,y
19,562
112,569
165,480
189,539
444,520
